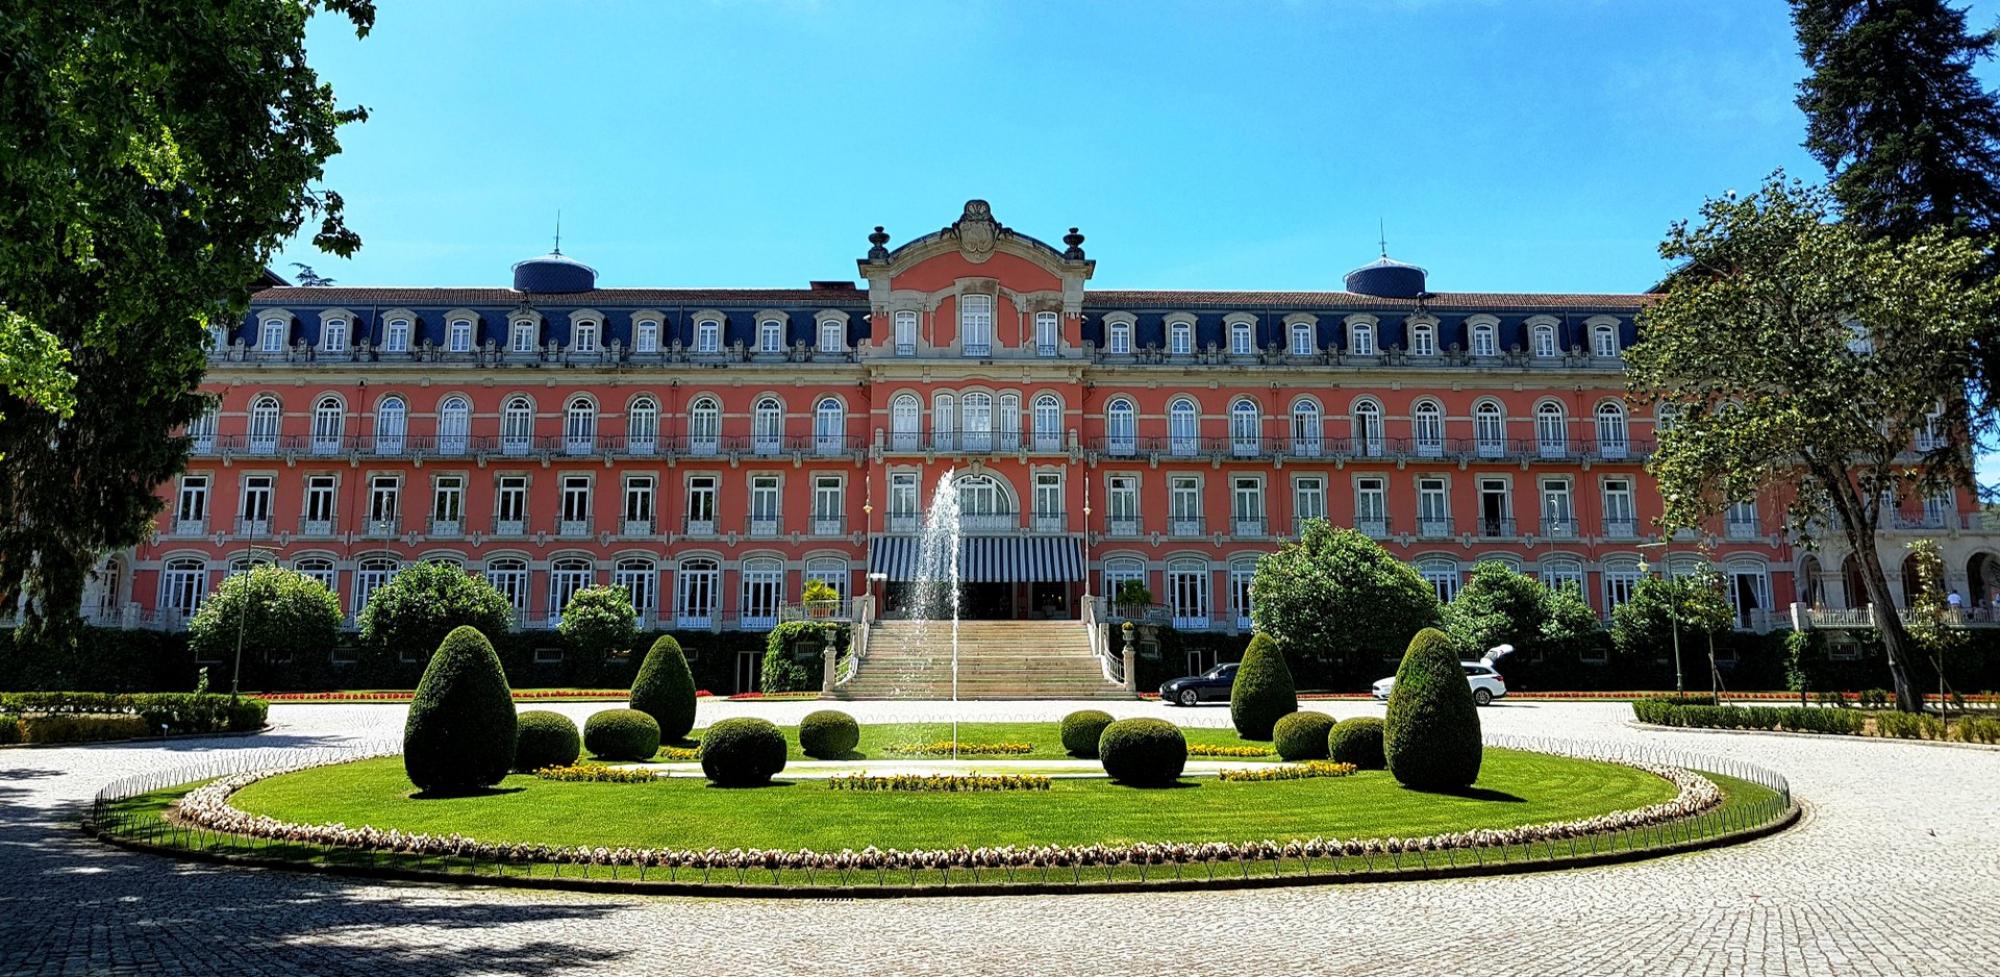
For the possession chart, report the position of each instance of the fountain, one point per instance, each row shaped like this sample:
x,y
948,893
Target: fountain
x,y
936,585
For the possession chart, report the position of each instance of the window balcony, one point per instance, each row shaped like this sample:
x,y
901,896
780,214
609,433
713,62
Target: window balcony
x,y
253,527
1491,527
517,447
828,525
1558,527
447,527
905,522
1368,447
641,447
325,446
203,446
1434,527
1378,528
1429,448
1927,520
978,349
766,445
988,522
1184,526
702,445
1047,441
828,445
905,441
316,527
510,527
579,445
1741,529
188,527
389,446
698,527
1306,447
636,527
765,527
1490,448
1050,522
1121,527
262,446
573,528
1120,446
906,349
379,528
1045,349
1617,528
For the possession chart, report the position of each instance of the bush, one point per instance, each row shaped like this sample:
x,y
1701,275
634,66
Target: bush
x,y
598,621
545,739
460,734
1302,735
784,668
276,614
1337,595
10,729
664,689
1703,714
1263,691
828,734
424,602
1430,737
1357,741
621,734
1081,730
78,727
179,712
742,752
1143,752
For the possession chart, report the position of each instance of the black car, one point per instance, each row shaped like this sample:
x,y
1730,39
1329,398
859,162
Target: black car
x,y
1210,686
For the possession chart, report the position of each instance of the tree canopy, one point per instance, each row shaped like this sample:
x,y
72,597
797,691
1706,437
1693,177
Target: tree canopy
x,y
426,601
1335,594
272,611
1693,603
1501,605
598,621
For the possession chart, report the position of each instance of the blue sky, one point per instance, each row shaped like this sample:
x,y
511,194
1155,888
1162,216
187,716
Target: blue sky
x,y
1507,145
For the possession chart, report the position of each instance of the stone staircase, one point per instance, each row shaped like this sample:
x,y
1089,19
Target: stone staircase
x,y
996,660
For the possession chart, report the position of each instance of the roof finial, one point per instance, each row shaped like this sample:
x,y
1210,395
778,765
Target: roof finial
x,y
558,249
1382,233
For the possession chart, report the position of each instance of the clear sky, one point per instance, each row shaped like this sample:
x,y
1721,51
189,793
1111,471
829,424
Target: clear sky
x,y
1506,145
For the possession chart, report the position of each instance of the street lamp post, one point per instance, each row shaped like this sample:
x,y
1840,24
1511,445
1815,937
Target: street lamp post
x,y
243,616
1673,609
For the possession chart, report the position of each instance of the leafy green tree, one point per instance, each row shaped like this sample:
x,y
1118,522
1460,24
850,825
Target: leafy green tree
x,y
462,729
1692,602
1497,605
1934,627
1334,594
1569,623
598,621
1799,359
156,156
271,608
425,601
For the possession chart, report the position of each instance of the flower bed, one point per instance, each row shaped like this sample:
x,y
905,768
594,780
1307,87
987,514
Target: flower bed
x,y
934,783
1291,771
1213,750
596,775
678,754
945,748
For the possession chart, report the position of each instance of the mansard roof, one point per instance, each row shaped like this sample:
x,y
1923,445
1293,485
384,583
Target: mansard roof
x,y
487,296
1102,298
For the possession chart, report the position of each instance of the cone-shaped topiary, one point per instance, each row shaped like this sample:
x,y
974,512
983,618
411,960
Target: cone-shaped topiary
x,y
1263,692
1357,741
742,752
1143,752
1081,730
545,739
828,734
1302,735
621,734
460,732
1430,738
664,689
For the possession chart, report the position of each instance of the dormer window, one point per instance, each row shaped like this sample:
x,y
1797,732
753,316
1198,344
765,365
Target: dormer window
x,y
708,336
1423,340
523,337
585,340
333,336
1485,340
646,336
218,336
396,336
832,336
1240,343
271,338
1180,338
1604,341
458,336
1118,338
1361,339
906,333
1545,340
1302,339
770,336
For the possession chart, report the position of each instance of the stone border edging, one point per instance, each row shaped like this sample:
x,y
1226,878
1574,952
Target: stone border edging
x,y
1838,737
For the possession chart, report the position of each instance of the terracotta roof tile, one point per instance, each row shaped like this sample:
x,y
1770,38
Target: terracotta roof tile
x,y
398,295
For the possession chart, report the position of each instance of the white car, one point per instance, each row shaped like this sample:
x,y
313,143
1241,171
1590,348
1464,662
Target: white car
x,y
1487,685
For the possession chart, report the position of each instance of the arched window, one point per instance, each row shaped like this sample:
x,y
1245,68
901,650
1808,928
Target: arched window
x,y
1121,427
829,570
1180,338
1442,575
580,426
1604,341
1611,431
567,575
1560,572
391,422
1485,340
517,426
1427,428
1187,594
369,576
1544,340
1246,423
697,592
763,592
319,568
1306,429
832,336
201,431
264,413
396,336
944,422
1551,430
1119,570
1361,339
975,324
1240,340
646,336
639,578
704,426
328,420
1423,340
642,426
829,427
1368,429
272,337
982,498
905,423
1048,423
183,584
1007,422
458,336
584,337
906,333
1302,339
767,426
523,336
509,576
708,336
1664,418
1183,427
333,336
976,427
454,425
1118,338
1489,430
771,336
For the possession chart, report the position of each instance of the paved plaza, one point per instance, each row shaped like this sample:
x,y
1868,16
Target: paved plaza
x,y
1895,870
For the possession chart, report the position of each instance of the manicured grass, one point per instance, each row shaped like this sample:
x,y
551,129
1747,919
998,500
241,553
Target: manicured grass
x,y
1046,738
1515,788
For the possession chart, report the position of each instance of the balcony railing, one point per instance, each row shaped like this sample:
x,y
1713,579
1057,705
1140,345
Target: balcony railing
x,y
1184,526
1558,527
989,522
253,527
1374,528
316,527
1116,526
1616,528
1496,528
1050,522
764,527
510,527
1741,529
188,527
828,525
447,527
1247,527
379,528
905,522
573,528
1434,527
636,527
698,527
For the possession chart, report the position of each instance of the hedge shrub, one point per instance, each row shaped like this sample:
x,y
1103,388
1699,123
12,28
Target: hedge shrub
x,y
742,752
1081,730
79,727
1263,692
1430,737
460,734
664,689
1143,752
828,734
621,734
545,739
1357,741
10,729
1801,719
1302,736
179,712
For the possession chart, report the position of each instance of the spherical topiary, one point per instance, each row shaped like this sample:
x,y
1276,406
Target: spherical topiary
x,y
1357,741
1302,735
545,739
828,734
1430,738
621,734
742,752
1082,729
460,731
1263,691
664,689
1143,752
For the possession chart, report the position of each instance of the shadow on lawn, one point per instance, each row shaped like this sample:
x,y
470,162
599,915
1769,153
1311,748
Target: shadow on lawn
x,y
1474,794
452,795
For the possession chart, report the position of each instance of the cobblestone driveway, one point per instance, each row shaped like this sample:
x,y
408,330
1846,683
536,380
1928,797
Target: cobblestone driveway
x,y
1896,870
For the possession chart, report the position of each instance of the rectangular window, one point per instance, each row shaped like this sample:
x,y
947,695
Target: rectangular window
x,y
458,336
396,337
321,491
1308,501
191,505
524,337
1184,505
1180,338
906,333
1118,338
333,336
701,506
975,324
1433,508
646,336
1741,520
1122,505
585,339
764,502
511,580
1558,515
1048,516
256,513
385,493
510,510
575,511
638,505
1240,343
448,505
1046,333
1619,520
1496,508
771,336
828,505
1246,506
1371,506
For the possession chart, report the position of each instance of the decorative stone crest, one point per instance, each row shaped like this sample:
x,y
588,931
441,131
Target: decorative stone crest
x,y
976,231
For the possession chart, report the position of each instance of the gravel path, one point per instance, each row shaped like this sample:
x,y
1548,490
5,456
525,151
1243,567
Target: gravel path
x,y
1895,870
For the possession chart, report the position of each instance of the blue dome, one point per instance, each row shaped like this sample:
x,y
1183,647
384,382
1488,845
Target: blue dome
x,y
1387,278
554,272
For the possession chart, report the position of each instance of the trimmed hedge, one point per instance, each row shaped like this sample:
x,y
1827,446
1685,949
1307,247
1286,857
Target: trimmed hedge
x,y
1302,736
79,727
742,752
545,739
621,734
828,734
461,731
10,729
179,712
664,689
1802,719
1263,692
1430,736
1081,730
1143,752
1357,741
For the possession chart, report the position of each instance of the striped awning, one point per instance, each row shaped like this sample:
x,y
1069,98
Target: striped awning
x,y
985,559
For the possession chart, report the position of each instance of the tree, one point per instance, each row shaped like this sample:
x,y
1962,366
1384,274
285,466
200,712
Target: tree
x,y
462,729
1799,361
1498,605
425,601
268,609
598,621
1692,602
1934,626
156,156
308,278
1335,594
